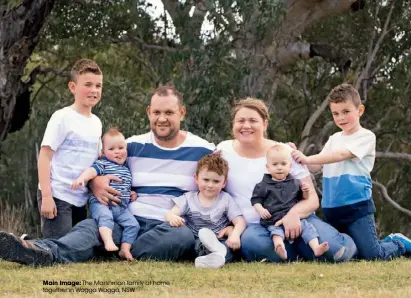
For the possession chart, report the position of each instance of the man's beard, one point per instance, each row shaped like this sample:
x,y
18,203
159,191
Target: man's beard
x,y
172,135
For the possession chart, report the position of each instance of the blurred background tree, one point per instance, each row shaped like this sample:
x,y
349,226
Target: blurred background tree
x,y
288,53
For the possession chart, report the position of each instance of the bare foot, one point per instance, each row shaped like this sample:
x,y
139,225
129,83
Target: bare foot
x,y
321,249
281,251
110,246
125,254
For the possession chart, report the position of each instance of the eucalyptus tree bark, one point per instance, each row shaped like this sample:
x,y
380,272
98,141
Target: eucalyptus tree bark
x,y
20,28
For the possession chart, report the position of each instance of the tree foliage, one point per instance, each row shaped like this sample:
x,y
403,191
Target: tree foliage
x,y
289,53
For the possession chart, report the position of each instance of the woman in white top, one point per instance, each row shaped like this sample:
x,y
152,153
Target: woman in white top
x,y
246,158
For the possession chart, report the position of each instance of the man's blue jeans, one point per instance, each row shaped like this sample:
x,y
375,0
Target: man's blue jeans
x,y
257,244
157,240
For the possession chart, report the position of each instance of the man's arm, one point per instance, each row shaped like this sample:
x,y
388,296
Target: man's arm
x,y
104,193
48,206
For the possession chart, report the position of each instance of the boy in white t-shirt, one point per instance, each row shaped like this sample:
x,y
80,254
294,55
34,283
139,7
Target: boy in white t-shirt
x,y
71,143
348,158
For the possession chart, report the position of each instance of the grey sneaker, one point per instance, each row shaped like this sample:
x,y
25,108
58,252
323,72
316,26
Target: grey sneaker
x,y
14,249
210,242
213,260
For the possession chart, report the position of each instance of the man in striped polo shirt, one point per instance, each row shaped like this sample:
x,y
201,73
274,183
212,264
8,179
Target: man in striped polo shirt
x,y
162,162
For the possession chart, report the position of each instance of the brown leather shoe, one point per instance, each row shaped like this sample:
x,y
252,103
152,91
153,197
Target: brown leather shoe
x,y
14,249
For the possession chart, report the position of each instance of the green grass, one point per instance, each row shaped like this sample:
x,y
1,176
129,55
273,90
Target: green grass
x,y
354,279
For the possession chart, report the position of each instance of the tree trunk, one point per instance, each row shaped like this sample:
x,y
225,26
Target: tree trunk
x,y
20,28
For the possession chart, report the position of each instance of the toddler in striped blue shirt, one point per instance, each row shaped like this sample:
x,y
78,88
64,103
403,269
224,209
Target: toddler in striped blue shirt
x,y
113,163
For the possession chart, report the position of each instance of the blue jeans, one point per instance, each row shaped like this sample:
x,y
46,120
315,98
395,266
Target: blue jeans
x,y
156,240
107,215
364,234
256,244
308,232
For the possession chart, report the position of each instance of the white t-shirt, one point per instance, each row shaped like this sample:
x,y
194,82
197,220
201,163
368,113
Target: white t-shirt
x,y
75,139
244,173
349,181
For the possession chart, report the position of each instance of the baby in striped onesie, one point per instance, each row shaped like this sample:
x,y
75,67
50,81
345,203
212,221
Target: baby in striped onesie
x,y
113,163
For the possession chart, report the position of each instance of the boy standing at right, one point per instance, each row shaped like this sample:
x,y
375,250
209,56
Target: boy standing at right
x,y
71,143
348,158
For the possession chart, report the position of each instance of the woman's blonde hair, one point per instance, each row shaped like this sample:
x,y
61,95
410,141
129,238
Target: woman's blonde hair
x,y
253,104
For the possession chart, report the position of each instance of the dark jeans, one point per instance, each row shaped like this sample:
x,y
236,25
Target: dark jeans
x,y
364,234
67,217
156,240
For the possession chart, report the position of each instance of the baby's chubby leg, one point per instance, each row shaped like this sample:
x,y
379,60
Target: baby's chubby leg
x,y
318,249
124,252
104,217
277,234
107,237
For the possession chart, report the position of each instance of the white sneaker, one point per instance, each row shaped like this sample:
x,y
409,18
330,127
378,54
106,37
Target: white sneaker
x,y
211,243
212,260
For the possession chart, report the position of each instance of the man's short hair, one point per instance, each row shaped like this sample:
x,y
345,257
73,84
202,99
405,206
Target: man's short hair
x,y
214,163
83,66
166,90
111,132
344,92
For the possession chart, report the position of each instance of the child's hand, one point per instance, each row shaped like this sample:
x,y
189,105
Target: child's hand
x,y
133,196
234,242
299,157
264,213
48,207
77,183
292,145
305,187
176,221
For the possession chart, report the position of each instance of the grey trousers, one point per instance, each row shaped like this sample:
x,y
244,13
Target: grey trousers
x,y
67,217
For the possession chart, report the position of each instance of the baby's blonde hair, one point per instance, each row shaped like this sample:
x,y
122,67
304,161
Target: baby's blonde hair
x,y
278,148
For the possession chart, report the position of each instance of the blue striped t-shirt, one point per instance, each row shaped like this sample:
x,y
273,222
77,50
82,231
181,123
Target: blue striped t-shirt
x,y
105,166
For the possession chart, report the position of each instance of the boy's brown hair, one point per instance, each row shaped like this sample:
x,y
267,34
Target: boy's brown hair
x,y
83,66
344,92
111,132
214,163
166,90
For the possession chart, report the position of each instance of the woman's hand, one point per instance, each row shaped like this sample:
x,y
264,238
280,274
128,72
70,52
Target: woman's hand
x,y
292,225
101,189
